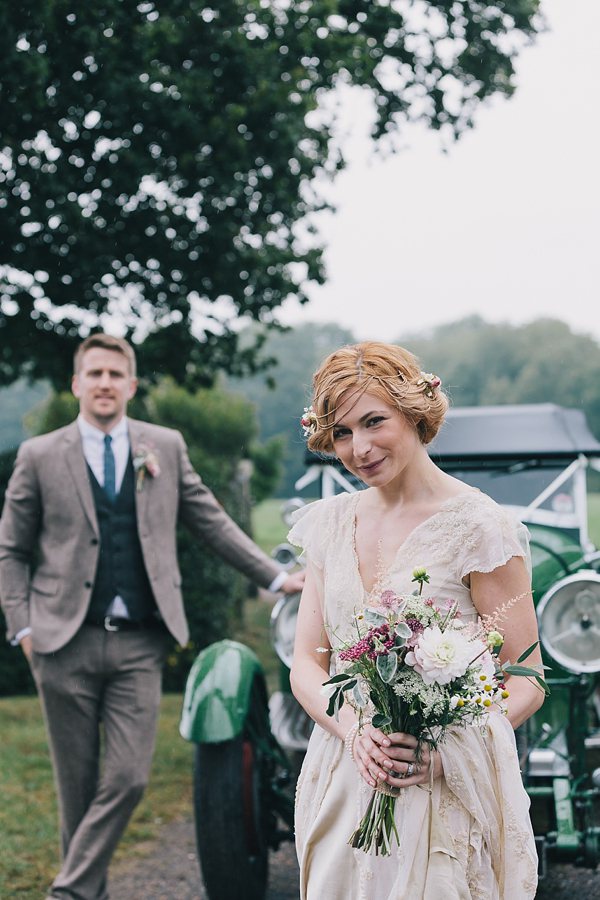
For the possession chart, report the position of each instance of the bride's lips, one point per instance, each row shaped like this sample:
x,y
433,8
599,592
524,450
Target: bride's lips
x,y
371,467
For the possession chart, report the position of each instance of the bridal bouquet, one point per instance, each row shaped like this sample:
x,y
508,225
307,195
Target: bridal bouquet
x,y
418,669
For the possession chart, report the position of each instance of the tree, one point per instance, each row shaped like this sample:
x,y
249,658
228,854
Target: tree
x,y
541,362
281,398
158,157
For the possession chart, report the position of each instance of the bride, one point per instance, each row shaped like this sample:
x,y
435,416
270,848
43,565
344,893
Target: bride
x,y
470,837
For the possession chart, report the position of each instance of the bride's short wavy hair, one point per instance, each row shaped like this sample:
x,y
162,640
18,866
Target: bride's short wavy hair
x,y
391,373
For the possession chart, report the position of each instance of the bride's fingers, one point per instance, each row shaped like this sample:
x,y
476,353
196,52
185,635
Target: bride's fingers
x,y
371,761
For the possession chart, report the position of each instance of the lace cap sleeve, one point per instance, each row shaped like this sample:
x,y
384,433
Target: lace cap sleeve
x,y
492,536
307,531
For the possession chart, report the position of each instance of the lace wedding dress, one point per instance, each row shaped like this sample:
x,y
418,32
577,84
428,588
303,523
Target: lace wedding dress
x,y
471,839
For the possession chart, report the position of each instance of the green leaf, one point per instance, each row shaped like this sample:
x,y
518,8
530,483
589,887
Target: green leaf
x,y
527,652
381,721
387,666
543,685
331,705
521,670
359,696
337,679
403,630
374,618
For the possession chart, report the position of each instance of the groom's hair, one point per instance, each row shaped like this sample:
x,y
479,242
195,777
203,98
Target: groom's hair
x,y
106,342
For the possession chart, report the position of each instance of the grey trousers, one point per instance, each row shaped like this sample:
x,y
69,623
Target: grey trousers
x,y
100,696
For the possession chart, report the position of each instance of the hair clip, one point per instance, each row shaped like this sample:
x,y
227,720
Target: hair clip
x,y
309,421
432,382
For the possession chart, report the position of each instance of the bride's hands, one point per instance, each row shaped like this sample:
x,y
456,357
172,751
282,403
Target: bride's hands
x,y
391,758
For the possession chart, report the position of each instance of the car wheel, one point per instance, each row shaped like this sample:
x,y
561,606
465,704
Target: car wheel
x,y
232,846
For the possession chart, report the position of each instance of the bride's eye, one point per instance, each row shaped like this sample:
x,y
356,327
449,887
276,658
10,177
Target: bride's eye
x,y
340,433
376,420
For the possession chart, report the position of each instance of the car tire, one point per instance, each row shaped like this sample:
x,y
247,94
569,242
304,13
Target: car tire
x,y
232,847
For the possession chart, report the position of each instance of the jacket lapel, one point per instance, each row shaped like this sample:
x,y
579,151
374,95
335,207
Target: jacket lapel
x,y
136,437
77,467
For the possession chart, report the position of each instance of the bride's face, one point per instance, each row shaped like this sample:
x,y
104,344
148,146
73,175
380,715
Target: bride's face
x,y
373,439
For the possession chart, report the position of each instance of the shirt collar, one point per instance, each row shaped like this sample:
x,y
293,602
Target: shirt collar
x,y
87,430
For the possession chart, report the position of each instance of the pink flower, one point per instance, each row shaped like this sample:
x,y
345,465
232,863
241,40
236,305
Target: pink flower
x,y
388,599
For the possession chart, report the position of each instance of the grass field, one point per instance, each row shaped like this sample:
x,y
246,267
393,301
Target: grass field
x,y
28,820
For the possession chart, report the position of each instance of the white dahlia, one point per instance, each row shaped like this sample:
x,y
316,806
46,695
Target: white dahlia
x,y
441,656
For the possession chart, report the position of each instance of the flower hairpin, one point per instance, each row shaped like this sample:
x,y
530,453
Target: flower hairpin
x,y
432,382
309,421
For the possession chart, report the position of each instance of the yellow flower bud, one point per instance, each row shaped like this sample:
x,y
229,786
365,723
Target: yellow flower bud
x,y
487,687
505,694
460,702
487,702
477,699
495,639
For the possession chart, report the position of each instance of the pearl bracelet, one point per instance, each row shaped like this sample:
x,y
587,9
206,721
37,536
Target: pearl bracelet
x,y
350,737
349,740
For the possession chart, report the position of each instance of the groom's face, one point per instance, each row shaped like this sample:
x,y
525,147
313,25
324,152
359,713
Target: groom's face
x,y
103,384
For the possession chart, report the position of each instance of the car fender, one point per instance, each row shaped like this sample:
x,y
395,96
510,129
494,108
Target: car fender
x,y
218,690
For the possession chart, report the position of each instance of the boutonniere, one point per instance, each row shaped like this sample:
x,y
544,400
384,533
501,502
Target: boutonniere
x,y
145,461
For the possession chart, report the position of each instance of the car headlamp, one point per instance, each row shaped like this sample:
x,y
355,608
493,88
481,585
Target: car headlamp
x,y
283,627
569,622
290,507
285,555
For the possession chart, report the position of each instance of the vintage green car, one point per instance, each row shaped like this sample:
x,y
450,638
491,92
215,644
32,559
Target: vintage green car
x,y
533,459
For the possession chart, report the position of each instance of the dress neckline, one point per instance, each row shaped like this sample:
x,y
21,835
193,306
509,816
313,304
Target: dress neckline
x,y
439,511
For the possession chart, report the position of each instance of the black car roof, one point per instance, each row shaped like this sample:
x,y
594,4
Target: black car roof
x,y
513,432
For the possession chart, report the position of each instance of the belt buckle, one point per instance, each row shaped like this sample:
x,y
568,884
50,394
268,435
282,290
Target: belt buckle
x,y
109,624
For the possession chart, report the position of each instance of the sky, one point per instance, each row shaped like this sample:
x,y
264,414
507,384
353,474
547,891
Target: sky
x,y
505,225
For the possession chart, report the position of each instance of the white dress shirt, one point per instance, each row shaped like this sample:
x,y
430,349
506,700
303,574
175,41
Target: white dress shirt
x,y
93,449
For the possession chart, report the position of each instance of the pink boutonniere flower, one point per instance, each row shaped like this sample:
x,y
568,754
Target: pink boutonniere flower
x,y
145,462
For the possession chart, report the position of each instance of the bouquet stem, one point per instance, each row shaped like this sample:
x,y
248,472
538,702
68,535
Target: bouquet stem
x,y
377,825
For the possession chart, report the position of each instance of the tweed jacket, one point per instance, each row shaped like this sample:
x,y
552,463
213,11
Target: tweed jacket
x,y
49,506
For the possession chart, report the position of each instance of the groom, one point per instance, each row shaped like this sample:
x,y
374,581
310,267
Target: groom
x,y
99,501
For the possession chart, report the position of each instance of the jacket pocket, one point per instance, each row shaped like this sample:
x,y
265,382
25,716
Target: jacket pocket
x,y
44,584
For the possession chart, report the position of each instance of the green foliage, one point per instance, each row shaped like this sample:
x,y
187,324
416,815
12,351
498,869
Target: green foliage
x,y
15,674
282,396
157,157
15,401
266,462
542,362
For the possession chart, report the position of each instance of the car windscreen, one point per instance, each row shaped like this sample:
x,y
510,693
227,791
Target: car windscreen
x,y
517,484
